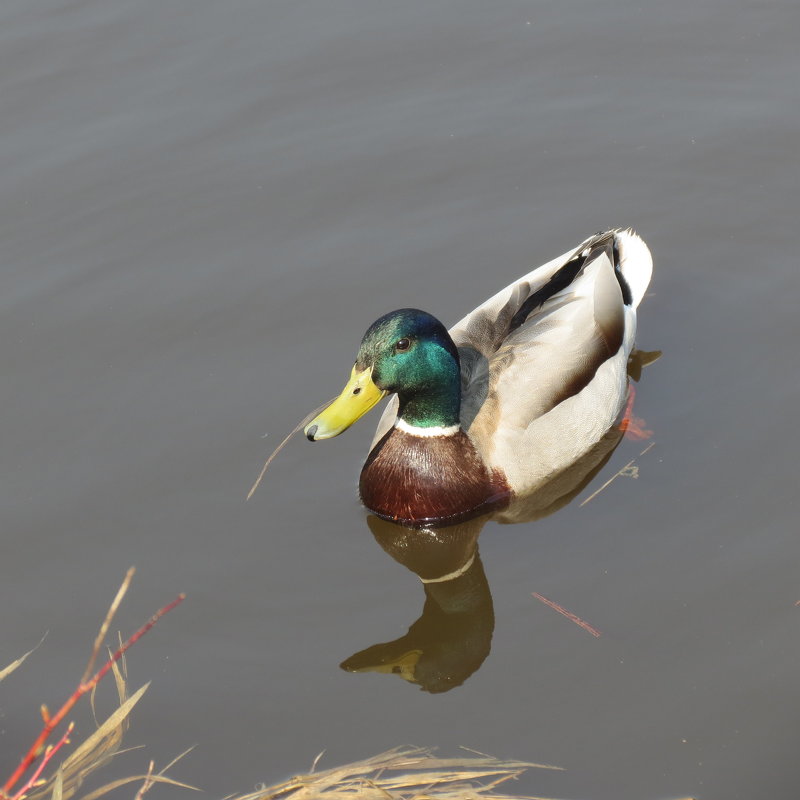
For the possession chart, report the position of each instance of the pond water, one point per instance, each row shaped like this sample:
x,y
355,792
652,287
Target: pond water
x,y
203,206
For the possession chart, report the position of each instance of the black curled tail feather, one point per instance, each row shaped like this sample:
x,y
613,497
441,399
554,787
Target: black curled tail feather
x,y
604,242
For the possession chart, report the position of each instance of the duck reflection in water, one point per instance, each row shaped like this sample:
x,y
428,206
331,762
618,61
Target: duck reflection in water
x,y
452,637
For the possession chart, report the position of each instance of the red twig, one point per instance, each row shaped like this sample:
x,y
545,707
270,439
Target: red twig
x,y
568,614
48,754
83,687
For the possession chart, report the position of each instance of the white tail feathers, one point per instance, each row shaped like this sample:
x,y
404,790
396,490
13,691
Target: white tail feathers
x,y
636,263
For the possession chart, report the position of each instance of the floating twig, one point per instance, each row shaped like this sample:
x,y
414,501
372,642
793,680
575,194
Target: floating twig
x,y
629,470
280,447
568,614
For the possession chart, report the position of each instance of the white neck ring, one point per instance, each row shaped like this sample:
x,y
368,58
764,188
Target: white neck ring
x,y
435,430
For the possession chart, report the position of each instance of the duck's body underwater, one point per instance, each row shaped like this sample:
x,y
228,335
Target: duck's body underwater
x,y
511,395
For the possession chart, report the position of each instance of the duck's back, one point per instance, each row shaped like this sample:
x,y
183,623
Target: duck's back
x,y
544,361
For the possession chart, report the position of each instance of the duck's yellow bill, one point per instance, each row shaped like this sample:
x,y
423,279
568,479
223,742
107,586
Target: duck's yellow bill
x,y
358,397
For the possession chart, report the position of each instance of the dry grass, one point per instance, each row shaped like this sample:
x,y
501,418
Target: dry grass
x,y
35,778
95,752
4,673
404,773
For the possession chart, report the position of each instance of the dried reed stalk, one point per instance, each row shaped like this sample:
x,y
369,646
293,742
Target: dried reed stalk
x,y
403,773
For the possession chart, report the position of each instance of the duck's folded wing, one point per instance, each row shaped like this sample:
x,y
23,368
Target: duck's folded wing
x,y
557,380
557,351
486,327
540,339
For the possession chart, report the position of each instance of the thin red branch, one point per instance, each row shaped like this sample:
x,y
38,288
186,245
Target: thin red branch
x,y
568,614
83,687
48,754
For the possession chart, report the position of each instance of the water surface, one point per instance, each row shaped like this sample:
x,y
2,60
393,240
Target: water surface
x,y
203,206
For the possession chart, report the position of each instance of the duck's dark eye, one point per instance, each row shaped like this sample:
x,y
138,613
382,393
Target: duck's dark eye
x,y
402,344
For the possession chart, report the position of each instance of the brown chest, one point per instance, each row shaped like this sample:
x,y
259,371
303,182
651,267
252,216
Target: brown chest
x,y
422,480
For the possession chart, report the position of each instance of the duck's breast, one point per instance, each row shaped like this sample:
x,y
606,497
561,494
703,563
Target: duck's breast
x,y
421,480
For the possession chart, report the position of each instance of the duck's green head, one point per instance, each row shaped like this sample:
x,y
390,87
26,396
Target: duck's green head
x,y
408,352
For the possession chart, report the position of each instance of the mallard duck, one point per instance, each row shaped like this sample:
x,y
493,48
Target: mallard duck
x,y
508,397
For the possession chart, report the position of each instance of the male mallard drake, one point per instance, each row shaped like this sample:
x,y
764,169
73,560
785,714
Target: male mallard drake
x,y
519,389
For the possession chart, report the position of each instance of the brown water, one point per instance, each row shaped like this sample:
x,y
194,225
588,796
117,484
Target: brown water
x,y
203,206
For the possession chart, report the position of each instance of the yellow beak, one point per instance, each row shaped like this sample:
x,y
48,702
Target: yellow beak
x,y
358,397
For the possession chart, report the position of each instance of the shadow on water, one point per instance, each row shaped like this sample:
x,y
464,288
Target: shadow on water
x,y
453,635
